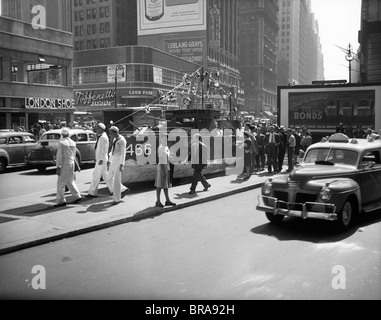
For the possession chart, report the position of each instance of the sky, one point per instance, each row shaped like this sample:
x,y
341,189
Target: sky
x,y
339,24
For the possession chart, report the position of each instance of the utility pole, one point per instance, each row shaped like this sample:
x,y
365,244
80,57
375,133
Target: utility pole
x,y
119,67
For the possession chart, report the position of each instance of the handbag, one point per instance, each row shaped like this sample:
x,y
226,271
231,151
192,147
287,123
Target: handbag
x,y
77,168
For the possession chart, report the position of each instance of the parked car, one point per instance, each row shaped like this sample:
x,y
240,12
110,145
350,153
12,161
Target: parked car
x,y
44,154
14,147
337,180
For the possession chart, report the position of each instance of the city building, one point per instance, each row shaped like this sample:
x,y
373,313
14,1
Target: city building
x,y
130,76
58,13
203,32
258,56
101,24
299,50
370,41
35,75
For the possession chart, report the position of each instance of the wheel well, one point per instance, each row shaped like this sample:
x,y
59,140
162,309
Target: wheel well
x,y
5,159
353,199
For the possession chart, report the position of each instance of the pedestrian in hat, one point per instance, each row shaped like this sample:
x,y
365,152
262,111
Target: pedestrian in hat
x,y
65,158
101,160
117,161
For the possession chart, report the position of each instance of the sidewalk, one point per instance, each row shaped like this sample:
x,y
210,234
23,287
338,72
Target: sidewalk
x,y
32,220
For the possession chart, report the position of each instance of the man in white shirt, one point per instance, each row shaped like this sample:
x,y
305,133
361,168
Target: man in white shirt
x,y
101,159
65,169
117,161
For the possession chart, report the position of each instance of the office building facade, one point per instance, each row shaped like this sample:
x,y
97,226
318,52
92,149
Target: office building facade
x,y
35,75
300,58
130,76
101,24
258,55
58,13
370,41
204,32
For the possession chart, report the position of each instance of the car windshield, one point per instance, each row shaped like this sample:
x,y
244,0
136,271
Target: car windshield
x,y
331,156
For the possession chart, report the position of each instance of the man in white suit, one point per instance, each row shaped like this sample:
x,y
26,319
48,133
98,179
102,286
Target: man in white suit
x,y
101,159
65,169
117,161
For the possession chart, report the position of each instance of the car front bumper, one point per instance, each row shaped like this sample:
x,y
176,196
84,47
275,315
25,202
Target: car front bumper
x,y
312,210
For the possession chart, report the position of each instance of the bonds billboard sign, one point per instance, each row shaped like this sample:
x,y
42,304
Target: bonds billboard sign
x,y
322,110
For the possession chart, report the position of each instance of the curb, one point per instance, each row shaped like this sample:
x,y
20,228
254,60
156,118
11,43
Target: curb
x,y
152,213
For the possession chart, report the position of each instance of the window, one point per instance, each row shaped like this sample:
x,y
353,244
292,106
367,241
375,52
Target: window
x,y
371,157
92,137
15,140
82,137
29,139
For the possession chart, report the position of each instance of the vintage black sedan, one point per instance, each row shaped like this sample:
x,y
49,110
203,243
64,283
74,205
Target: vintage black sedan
x,y
337,180
44,154
14,147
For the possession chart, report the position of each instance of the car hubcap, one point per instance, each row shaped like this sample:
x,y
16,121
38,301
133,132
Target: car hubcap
x,y
347,213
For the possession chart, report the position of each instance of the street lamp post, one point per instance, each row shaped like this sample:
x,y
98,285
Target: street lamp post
x,y
119,67
349,56
230,106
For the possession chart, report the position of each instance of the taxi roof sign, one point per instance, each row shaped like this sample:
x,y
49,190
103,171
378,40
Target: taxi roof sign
x,y
339,137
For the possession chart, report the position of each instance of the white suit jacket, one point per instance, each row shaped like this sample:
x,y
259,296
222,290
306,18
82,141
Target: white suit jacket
x,y
118,151
101,153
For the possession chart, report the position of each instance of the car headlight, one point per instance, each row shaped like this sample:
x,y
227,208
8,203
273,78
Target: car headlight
x,y
267,188
325,194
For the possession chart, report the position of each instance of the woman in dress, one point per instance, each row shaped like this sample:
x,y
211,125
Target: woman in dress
x,y
163,172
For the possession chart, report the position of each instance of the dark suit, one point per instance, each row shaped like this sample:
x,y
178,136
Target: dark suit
x,y
199,159
260,157
272,151
282,149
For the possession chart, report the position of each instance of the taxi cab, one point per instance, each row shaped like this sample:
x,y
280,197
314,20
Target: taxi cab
x,y
44,154
338,179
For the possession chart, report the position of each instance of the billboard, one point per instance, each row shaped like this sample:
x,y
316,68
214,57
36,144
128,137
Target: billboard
x,y
167,16
191,49
322,109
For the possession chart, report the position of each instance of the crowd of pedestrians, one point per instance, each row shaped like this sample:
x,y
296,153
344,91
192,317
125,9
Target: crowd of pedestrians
x,y
266,147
